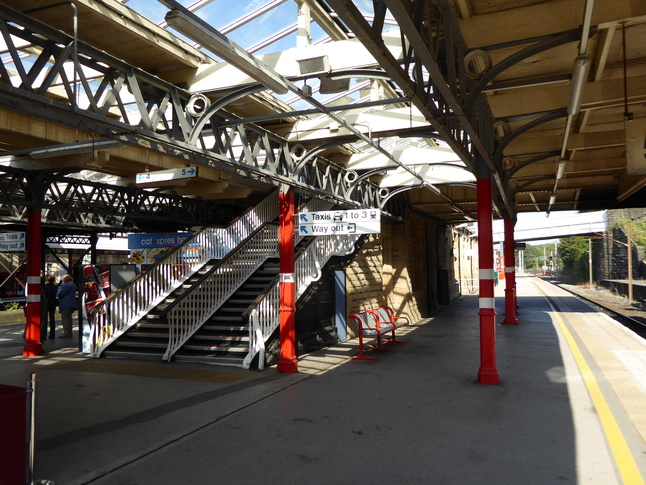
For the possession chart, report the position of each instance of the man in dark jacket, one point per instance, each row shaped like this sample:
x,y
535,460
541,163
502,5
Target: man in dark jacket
x,y
51,289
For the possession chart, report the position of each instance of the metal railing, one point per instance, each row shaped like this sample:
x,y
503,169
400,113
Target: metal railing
x,y
263,316
197,306
123,309
189,313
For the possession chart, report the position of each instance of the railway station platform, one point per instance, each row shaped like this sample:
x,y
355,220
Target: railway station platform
x,y
570,408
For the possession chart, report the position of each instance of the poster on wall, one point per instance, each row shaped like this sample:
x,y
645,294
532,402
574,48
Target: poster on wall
x,y
148,248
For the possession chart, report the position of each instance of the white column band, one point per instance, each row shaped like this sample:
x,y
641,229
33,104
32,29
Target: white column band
x,y
486,274
488,303
286,278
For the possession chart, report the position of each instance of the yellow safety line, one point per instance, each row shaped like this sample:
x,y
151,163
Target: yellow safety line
x,y
628,470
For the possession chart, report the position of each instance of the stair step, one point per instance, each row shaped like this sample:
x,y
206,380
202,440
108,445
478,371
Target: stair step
x,y
242,339
210,359
240,301
225,328
131,354
142,344
148,325
227,349
152,335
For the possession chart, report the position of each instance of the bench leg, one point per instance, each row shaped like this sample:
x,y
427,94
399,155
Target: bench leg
x,y
379,346
395,341
361,356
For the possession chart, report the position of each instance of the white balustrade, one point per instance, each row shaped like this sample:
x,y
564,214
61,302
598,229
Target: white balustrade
x,y
307,268
198,306
127,306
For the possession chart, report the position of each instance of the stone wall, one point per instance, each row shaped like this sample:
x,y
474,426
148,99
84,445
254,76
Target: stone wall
x,y
405,267
610,255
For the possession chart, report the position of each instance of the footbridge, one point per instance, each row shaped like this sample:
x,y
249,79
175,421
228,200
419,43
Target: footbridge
x,y
532,227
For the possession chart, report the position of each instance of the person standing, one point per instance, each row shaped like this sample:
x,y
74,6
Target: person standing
x,y
51,289
67,304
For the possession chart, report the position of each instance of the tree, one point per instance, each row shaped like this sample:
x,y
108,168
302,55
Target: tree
x,y
574,258
536,255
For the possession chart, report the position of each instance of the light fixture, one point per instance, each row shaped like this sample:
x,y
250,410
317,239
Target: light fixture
x,y
560,171
579,78
552,200
313,62
76,147
201,32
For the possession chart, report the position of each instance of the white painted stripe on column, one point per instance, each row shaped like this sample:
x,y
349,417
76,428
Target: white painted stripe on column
x,y
509,269
486,274
33,298
487,303
33,279
286,278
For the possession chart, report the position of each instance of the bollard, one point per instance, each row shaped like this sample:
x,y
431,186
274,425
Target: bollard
x,y
13,422
31,388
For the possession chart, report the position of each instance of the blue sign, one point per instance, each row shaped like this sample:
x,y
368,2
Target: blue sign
x,y
161,240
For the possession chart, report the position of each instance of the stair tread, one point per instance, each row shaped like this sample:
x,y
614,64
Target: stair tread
x,y
143,344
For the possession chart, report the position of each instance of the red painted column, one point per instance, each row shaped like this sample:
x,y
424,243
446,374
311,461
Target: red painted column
x,y
287,362
33,345
488,373
510,273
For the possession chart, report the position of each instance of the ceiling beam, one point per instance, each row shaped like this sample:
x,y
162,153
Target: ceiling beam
x,y
600,94
540,18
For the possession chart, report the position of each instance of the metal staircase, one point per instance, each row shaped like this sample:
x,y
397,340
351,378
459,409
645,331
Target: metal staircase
x,y
224,337
224,311
126,307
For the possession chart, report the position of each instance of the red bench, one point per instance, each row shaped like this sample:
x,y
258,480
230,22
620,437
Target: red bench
x,y
386,314
375,323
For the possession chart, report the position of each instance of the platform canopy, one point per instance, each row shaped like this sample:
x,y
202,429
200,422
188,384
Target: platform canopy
x,y
387,104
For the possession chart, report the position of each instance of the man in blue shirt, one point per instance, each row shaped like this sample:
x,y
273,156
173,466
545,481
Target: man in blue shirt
x,y
67,304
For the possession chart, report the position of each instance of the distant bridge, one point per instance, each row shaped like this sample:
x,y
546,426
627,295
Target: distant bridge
x,y
532,227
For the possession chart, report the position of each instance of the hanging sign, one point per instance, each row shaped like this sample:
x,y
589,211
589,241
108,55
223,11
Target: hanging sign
x,y
325,223
166,175
13,241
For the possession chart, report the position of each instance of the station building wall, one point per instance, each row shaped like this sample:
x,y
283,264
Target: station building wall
x,y
405,267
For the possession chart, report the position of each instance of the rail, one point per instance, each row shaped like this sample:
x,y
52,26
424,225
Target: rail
x,y
263,317
123,309
190,312
198,305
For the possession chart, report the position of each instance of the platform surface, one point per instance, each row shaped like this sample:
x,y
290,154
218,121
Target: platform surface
x,y
570,408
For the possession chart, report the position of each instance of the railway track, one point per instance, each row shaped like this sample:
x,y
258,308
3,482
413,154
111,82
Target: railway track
x,y
635,321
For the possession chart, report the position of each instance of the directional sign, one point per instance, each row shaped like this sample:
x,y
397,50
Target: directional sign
x,y
355,215
166,175
8,247
12,236
336,228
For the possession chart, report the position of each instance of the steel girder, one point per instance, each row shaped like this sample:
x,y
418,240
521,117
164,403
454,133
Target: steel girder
x,y
114,99
71,203
432,75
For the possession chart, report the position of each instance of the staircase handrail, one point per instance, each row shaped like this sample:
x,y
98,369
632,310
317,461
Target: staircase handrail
x,y
200,304
190,313
307,269
124,308
196,284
